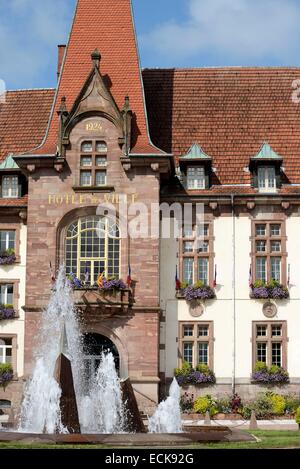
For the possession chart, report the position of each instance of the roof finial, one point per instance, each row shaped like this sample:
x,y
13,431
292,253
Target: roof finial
x,y
96,57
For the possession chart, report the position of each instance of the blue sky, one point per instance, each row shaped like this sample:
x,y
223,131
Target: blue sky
x,y
171,33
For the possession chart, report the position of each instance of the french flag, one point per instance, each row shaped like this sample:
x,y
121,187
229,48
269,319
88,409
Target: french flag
x,y
215,278
177,281
129,279
250,277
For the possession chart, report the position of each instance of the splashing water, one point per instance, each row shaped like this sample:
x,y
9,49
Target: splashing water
x,y
40,412
167,418
102,409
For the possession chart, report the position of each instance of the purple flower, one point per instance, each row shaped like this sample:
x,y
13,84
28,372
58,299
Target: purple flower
x,y
7,258
205,293
266,377
260,292
73,281
113,284
196,377
6,312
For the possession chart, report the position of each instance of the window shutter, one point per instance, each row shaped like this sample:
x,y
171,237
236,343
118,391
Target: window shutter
x,y
207,177
254,180
278,178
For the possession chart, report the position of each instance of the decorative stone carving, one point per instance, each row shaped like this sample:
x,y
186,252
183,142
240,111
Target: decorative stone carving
x,y
155,167
23,215
127,167
269,309
250,205
285,205
213,205
196,308
31,168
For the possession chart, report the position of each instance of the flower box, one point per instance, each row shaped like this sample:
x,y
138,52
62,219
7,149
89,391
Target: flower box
x,y
274,375
6,375
7,312
8,257
187,375
273,290
199,291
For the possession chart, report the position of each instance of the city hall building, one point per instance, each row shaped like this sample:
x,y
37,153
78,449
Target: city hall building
x,y
227,138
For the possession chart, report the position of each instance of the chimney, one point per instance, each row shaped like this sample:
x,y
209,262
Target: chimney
x,y
61,53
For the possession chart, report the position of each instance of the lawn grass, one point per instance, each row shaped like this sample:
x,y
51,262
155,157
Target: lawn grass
x,y
268,440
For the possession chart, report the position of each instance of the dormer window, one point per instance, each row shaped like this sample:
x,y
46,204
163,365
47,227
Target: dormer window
x,y
266,179
196,168
266,169
10,187
195,177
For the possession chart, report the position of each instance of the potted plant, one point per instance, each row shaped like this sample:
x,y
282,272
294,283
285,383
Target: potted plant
x,y
6,374
269,375
8,257
7,312
198,291
111,286
187,375
272,290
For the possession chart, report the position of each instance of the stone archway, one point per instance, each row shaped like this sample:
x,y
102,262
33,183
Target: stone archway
x,y
111,337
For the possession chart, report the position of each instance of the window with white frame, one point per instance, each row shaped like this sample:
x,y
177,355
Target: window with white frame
x,y
270,343
6,294
10,187
196,343
269,249
6,350
197,254
266,179
196,177
7,240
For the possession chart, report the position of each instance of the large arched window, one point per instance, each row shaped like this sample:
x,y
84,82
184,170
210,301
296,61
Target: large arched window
x,y
93,246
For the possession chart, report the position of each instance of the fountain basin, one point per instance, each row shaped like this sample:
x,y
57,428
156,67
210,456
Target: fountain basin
x,y
149,440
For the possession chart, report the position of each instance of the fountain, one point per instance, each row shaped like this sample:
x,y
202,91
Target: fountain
x,y
55,401
57,405
167,418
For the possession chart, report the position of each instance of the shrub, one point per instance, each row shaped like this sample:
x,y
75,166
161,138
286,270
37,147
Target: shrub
x,y
205,404
291,404
223,405
278,404
187,402
236,403
297,416
6,374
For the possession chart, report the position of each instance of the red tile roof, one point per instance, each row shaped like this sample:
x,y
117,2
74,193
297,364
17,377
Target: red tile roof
x,y
108,26
23,120
230,112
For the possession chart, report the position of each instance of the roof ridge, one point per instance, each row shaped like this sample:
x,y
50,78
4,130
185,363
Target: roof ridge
x,y
229,67
30,89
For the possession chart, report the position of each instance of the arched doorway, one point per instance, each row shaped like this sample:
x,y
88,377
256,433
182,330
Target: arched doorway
x,y
93,347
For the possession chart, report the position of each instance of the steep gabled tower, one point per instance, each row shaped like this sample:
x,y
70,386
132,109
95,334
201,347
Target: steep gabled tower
x,y
97,147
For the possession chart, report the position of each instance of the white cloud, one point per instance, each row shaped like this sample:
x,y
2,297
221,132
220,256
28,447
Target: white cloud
x,y
233,30
29,33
